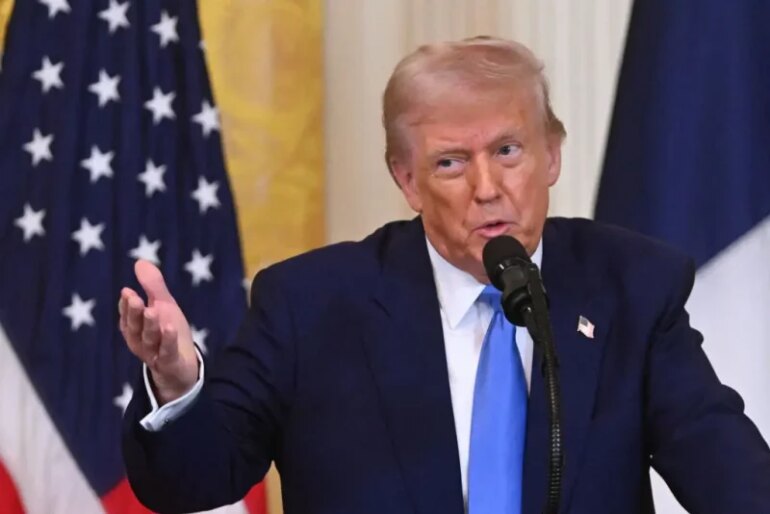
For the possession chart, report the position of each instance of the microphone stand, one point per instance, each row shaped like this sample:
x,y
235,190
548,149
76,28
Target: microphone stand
x,y
539,325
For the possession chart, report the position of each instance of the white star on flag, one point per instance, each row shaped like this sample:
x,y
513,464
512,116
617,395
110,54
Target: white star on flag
x,y
31,222
208,118
98,164
106,88
585,327
166,29
199,337
160,105
152,178
79,312
89,236
115,15
49,75
199,267
55,7
40,147
146,250
124,399
206,195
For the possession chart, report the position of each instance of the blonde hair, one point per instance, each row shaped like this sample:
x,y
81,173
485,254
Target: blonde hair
x,y
479,64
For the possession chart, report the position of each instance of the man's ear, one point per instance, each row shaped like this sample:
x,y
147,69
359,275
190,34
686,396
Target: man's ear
x,y
554,159
406,178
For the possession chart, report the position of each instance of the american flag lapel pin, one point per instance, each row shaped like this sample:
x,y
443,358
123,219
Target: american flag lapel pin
x,y
585,327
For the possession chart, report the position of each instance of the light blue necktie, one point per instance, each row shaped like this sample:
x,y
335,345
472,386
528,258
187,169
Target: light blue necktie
x,y
499,420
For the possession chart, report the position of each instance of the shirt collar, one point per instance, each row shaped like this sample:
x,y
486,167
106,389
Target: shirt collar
x,y
458,290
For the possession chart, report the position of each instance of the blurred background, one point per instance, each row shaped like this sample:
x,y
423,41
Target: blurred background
x,y
274,146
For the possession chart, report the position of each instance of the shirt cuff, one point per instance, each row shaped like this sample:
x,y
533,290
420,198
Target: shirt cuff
x,y
161,416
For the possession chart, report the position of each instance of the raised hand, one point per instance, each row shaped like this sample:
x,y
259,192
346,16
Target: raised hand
x,y
159,334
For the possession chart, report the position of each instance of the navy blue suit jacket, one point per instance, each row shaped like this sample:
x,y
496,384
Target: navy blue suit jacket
x,y
339,376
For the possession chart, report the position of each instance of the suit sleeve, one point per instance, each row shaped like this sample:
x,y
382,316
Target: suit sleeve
x,y
224,444
703,445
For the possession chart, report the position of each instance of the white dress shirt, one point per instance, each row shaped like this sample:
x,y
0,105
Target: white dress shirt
x,y
159,416
464,321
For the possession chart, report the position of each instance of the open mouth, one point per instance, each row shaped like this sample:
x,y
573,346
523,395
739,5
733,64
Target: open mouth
x,y
493,229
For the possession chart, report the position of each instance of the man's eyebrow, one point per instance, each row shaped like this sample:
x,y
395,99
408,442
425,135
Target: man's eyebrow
x,y
506,134
449,149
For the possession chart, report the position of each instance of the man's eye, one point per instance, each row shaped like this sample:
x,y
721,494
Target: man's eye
x,y
509,149
449,166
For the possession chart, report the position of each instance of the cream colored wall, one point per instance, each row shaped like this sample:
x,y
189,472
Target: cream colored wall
x,y
580,43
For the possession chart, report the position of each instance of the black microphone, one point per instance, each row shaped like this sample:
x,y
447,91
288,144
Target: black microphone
x,y
510,270
525,304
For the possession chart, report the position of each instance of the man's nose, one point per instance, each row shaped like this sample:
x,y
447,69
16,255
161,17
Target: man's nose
x,y
485,188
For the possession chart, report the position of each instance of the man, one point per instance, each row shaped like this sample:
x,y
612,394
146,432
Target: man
x,y
380,376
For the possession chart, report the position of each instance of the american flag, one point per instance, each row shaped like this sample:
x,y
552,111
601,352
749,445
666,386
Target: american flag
x,y
109,152
585,327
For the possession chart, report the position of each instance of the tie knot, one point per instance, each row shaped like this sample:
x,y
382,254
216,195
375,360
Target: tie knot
x,y
491,296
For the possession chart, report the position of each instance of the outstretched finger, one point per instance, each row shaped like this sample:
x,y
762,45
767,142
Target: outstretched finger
x,y
169,347
134,316
150,332
122,308
125,294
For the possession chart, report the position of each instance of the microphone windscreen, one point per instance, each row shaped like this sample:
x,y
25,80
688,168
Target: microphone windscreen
x,y
499,253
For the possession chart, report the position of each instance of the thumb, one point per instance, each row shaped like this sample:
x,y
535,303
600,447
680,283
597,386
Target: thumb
x,y
152,282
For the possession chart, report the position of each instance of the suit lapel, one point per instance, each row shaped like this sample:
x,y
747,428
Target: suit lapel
x,y
403,341
572,293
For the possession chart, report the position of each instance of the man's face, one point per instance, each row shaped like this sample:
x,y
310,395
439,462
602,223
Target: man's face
x,y
479,170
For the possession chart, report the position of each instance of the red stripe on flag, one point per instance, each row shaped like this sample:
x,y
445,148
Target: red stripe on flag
x,y
121,500
10,503
256,499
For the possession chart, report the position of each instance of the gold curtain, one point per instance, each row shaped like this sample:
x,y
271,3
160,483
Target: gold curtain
x,y
266,68
6,6
265,62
